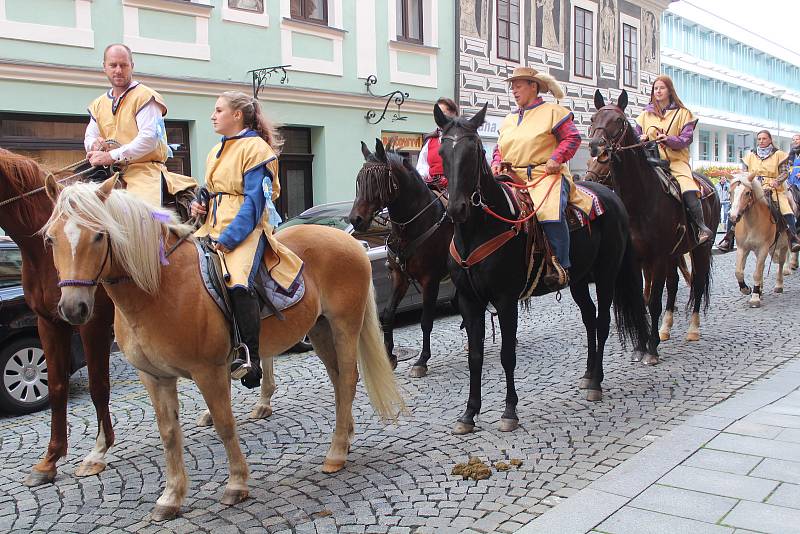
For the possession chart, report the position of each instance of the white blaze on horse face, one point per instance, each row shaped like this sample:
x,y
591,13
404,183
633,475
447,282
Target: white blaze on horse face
x,y
73,233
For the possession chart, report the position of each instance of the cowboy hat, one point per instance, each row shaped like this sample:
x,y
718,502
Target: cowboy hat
x,y
545,81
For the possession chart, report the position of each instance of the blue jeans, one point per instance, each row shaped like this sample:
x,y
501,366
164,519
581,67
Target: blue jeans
x,y
557,232
726,208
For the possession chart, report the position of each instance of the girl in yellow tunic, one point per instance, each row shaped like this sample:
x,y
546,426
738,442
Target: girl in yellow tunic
x,y
242,180
667,121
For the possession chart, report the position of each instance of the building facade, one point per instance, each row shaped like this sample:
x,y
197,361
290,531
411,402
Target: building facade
x,y
736,82
585,44
192,50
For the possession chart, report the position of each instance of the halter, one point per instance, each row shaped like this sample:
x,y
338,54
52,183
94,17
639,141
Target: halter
x,y
107,259
372,184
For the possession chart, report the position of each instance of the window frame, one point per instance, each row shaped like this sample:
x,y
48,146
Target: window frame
x,y
592,8
635,26
403,23
304,18
510,22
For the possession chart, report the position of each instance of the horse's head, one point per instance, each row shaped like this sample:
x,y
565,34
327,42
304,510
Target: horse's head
x,y
744,191
609,126
599,171
376,186
463,159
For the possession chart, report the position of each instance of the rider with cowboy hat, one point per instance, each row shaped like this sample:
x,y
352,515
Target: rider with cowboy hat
x,y
535,144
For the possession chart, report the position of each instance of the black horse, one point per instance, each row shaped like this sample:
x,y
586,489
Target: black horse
x,y
417,245
601,252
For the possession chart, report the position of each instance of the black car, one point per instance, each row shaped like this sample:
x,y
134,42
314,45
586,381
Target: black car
x,y
22,364
336,215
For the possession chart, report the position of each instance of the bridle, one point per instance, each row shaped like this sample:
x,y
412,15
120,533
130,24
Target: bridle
x,y
108,259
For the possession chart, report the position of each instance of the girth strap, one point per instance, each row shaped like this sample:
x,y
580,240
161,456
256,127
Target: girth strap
x,y
484,250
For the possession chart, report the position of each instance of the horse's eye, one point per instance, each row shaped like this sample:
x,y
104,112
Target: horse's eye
x,y
97,237
48,239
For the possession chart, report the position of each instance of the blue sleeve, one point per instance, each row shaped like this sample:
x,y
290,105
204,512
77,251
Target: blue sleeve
x,y
251,211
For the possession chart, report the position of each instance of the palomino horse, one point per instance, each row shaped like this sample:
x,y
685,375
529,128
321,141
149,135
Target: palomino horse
x,y
756,232
601,251
169,327
659,228
421,234
22,215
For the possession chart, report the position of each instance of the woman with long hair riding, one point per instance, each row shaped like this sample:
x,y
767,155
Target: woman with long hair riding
x,y
242,183
667,121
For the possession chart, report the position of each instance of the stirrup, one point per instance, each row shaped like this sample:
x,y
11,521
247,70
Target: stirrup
x,y
239,370
563,275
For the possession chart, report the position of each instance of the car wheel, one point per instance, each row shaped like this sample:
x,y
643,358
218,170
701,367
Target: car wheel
x,y
24,377
304,345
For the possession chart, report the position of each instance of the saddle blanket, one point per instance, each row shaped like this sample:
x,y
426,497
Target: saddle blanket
x,y
580,219
266,288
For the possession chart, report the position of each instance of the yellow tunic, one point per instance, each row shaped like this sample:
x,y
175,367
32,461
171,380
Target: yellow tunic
x,y
142,176
531,142
679,167
768,169
225,169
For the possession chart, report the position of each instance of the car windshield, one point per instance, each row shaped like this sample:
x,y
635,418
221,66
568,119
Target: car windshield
x,y
10,267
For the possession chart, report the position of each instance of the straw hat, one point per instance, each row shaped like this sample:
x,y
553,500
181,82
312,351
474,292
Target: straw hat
x,y
546,82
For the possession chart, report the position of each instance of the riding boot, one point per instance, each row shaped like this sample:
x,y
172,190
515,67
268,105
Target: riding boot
x,y
557,233
791,232
247,311
728,240
695,211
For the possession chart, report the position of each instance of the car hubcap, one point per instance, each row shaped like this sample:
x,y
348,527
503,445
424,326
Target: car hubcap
x,y
25,375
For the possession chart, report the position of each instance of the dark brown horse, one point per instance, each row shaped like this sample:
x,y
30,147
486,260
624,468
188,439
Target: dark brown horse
x,y
22,219
660,231
418,244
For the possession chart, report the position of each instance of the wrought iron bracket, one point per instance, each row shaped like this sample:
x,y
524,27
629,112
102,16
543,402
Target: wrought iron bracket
x,y
399,98
260,76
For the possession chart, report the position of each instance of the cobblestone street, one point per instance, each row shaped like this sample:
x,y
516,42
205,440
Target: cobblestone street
x,y
397,478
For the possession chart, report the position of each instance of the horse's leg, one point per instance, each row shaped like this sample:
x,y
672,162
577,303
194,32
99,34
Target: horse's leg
x,y
473,313
580,294
345,342
758,277
96,341
641,349
672,292
164,397
659,278
741,259
701,278
399,287
508,314
783,269
263,408
430,294
55,339
214,383
793,260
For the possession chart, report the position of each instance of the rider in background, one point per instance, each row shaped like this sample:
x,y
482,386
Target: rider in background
x,y
667,121
429,164
794,163
537,141
240,217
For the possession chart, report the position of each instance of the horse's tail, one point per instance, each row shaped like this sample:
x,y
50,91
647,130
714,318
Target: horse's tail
x,y
630,313
376,370
703,297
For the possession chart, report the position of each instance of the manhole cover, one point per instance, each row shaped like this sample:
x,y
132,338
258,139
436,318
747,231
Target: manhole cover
x,y
405,353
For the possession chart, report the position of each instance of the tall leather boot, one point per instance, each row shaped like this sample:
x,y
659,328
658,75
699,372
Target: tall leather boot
x,y
791,232
557,234
728,240
247,310
695,211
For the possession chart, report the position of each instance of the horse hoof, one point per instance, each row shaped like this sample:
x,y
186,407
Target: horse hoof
x,y
261,412
205,419
649,359
463,428
332,466
508,425
594,395
778,290
39,478
755,303
234,496
745,290
88,468
664,336
692,336
637,356
164,513
418,371
584,383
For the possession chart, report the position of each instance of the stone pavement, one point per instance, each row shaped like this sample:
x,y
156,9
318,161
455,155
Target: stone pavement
x,y
733,468
397,478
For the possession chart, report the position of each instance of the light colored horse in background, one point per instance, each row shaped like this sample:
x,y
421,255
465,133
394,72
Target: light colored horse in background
x,y
169,327
755,232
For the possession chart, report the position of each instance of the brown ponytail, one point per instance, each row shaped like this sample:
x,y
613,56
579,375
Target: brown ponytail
x,y
254,118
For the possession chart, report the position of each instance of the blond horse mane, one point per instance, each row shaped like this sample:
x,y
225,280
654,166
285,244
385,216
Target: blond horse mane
x,y
747,180
137,232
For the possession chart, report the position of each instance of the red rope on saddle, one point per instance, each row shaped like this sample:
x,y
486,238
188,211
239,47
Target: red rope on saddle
x,y
518,222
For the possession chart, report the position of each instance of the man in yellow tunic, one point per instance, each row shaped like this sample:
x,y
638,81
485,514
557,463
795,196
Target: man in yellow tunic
x,y
536,142
666,120
132,114
242,181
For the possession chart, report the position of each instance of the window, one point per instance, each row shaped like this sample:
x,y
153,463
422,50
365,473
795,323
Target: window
x,y
295,175
630,56
409,20
716,147
731,142
310,10
508,30
256,6
584,43
705,145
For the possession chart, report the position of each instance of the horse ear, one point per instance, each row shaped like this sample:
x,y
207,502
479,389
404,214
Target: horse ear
x,y
599,101
52,187
380,150
622,102
365,151
104,191
441,119
479,117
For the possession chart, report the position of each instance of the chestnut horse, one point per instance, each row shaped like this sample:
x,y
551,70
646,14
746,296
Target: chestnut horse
x,y
756,232
22,217
169,327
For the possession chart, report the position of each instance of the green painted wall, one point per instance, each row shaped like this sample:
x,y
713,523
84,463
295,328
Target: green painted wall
x,y
413,63
52,12
312,47
160,25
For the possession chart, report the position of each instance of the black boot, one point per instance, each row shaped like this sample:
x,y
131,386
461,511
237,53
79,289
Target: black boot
x,y
726,245
791,232
695,211
248,317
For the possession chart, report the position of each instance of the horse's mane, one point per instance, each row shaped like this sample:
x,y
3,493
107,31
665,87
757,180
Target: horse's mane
x,y
137,231
373,183
748,180
22,174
